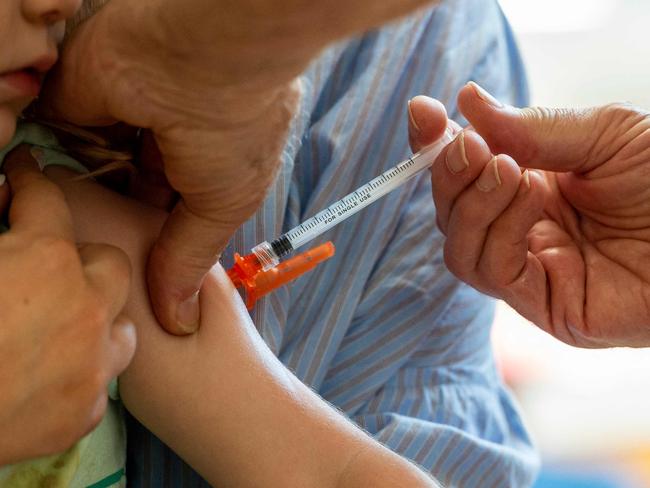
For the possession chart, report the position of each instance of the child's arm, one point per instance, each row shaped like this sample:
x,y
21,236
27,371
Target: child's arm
x,y
220,398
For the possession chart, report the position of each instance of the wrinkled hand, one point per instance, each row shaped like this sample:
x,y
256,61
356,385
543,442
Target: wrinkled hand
x,y
62,338
220,139
213,82
568,246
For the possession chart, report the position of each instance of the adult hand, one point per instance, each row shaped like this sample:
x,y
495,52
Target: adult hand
x,y
62,338
566,246
213,81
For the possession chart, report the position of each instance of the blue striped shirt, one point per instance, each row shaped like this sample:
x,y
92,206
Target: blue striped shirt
x,y
383,331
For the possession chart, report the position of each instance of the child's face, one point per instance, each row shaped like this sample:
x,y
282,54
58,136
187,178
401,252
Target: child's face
x,y
29,33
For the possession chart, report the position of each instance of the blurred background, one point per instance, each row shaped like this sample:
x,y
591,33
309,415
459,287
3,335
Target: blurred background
x,y
588,411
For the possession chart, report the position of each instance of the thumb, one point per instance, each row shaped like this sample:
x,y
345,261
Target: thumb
x,y
188,246
542,138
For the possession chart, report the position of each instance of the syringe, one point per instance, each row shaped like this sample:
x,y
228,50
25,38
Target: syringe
x,y
269,254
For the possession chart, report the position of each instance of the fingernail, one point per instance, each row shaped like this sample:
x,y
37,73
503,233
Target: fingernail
x,y
412,119
456,158
489,178
3,179
485,96
188,313
526,177
38,155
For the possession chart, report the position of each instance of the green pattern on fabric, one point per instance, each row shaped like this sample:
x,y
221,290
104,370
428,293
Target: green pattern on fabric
x,y
109,480
53,471
41,137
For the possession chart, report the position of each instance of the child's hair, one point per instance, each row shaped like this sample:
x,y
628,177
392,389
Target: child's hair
x,y
87,9
97,150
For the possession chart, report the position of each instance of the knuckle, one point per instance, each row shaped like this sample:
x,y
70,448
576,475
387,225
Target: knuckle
x,y
125,332
456,265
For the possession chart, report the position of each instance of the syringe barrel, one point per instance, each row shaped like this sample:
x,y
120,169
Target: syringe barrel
x,y
367,194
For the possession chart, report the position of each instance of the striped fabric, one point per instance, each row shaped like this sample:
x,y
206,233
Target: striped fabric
x,y
383,331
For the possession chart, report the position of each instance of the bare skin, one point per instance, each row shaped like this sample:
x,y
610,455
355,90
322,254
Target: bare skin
x,y
220,398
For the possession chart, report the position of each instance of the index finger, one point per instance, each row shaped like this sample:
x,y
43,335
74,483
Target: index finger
x,y
427,121
38,205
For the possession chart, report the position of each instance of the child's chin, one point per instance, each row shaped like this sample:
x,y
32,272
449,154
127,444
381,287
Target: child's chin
x,y
7,125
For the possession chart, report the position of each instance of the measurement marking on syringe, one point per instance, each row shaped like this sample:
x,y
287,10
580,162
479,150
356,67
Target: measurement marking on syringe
x,y
363,196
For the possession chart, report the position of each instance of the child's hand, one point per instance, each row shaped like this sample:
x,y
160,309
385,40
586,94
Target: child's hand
x,y
62,338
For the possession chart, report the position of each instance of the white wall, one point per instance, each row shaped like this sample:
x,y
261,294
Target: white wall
x,y
585,52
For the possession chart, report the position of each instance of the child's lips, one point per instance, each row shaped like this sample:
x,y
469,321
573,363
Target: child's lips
x,y
24,82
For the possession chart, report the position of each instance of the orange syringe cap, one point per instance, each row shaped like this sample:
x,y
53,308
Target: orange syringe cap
x,y
247,272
